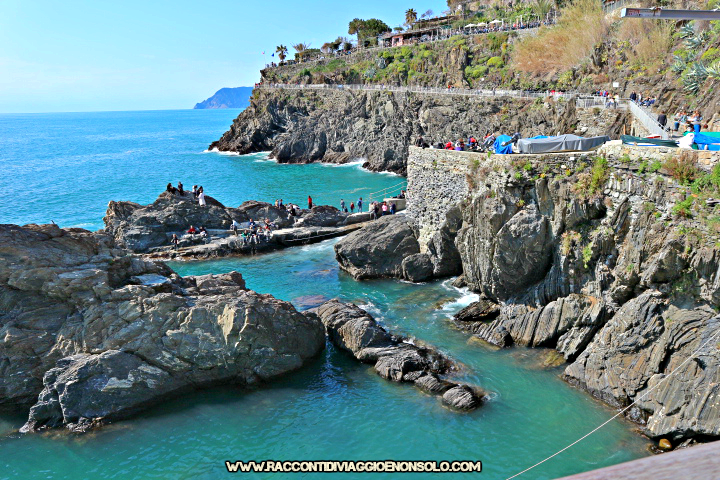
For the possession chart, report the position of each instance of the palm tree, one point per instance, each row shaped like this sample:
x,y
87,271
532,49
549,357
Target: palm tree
x,y
282,51
542,7
301,49
410,16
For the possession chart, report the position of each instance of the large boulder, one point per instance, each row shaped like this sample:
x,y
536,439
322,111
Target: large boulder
x,y
417,267
352,329
378,249
324,216
89,333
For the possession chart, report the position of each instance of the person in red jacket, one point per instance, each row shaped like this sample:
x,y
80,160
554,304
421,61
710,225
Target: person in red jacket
x,y
309,202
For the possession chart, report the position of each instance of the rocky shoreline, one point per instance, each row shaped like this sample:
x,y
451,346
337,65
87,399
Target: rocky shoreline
x,y
609,278
148,229
91,333
339,126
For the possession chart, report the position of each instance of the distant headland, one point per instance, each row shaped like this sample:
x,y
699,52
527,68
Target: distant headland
x,y
238,97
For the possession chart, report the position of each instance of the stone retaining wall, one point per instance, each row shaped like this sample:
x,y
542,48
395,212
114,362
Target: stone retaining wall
x,y
440,179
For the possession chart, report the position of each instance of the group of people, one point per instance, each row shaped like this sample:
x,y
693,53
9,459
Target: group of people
x,y
643,100
353,205
692,122
192,232
197,192
378,209
473,144
255,232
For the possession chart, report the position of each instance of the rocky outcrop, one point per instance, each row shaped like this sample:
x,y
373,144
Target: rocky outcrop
x,y
301,126
607,274
90,334
352,329
379,249
149,228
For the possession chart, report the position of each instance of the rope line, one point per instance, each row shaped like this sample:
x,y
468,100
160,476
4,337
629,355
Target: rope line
x,y
716,335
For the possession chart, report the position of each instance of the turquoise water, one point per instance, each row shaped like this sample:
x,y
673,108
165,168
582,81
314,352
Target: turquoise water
x,y
67,167
334,408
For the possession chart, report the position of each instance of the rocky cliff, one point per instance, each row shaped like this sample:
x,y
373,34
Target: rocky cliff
x,y
378,126
90,334
608,258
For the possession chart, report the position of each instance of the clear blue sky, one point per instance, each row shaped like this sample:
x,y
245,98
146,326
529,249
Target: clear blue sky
x,y
156,54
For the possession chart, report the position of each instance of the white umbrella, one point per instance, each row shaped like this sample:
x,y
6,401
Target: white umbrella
x,y
495,21
470,25
482,24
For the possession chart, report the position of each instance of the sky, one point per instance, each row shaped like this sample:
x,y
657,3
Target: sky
x,y
102,55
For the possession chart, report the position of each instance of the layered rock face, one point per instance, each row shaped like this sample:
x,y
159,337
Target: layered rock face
x,y
301,126
607,275
90,334
352,329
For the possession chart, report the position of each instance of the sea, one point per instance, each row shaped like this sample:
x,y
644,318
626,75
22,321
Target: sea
x,y
66,167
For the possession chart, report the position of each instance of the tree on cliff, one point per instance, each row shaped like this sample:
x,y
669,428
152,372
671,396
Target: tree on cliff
x,y
282,51
410,17
301,49
367,29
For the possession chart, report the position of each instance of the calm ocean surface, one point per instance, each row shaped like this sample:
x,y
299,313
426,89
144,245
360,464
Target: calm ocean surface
x,y
66,167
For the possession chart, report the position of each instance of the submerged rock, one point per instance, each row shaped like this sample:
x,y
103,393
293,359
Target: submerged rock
x,y
90,334
352,329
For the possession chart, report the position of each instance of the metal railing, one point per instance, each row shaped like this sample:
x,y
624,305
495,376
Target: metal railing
x,y
648,120
380,194
586,99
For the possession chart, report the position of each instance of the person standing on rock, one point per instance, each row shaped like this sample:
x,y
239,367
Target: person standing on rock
x,y
392,208
201,198
310,204
195,191
170,188
359,204
342,205
175,240
352,207
180,188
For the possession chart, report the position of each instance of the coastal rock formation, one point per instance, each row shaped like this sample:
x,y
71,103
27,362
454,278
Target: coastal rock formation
x,y
237,97
352,329
606,273
379,250
90,334
149,228
337,126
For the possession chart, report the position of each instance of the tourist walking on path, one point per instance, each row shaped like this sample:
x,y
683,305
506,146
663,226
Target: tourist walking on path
x,y
310,205
392,208
662,120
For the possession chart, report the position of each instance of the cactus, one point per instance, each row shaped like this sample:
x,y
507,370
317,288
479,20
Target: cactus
x,y
687,31
679,65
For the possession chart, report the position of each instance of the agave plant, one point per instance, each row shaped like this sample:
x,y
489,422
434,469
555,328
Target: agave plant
x,y
695,77
713,70
679,65
687,31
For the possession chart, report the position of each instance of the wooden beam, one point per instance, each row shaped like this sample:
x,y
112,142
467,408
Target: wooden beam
x,y
701,462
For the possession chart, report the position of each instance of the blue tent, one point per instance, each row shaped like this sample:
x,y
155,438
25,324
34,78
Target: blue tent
x,y
498,144
708,141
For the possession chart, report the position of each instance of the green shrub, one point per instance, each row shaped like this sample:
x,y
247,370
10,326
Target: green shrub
x,y
475,72
625,159
587,254
495,62
683,209
682,168
590,183
710,55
